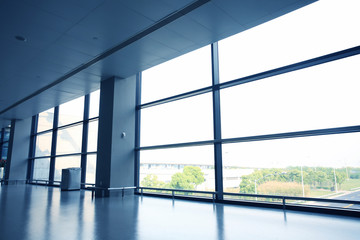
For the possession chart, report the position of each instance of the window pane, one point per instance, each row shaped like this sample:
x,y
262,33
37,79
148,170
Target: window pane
x,y
185,120
4,151
71,112
65,162
91,168
306,33
310,166
45,120
93,136
94,104
43,144
190,168
185,73
41,169
6,134
322,96
69,140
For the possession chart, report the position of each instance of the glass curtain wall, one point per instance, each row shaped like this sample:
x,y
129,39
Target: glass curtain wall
x,y
286,95
64,137
4,144
187,120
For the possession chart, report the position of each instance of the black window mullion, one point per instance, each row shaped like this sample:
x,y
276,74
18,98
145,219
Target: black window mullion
x,y
217,122
32,147
2,141
137,130
53,145
85,135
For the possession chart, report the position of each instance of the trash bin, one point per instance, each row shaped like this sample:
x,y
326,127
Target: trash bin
x,y
71,179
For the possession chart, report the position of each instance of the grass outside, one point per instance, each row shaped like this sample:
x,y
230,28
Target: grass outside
x,y
348,185
316,193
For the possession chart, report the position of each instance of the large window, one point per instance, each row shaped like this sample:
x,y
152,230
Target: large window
x,y
69,140
43,144
289,133
318,166
68,148
322,96
175,122
4,145
72,111
189,168
180,121
45,120
182,74
309,32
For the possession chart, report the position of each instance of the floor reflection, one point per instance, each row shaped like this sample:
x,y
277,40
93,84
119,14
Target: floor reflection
x,y
38,212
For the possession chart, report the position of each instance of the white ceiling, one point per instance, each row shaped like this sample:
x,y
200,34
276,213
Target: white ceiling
x,y
66,54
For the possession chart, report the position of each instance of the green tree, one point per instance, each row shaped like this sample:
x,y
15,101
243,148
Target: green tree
x,y
152,181
189,179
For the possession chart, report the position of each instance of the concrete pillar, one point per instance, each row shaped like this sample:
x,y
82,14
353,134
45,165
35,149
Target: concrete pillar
x,y
18,151
116,136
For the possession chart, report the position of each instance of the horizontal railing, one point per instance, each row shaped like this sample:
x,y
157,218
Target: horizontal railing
x,y
110,189
283,199
47,182
15,181
177,190
42,181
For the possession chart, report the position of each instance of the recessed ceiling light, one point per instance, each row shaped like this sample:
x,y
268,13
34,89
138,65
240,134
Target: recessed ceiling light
x,y
20,38
95,38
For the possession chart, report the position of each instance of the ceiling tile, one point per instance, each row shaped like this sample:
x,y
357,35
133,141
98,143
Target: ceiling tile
x,y
155,9
72,11
110,25
216,20
20,15
191,30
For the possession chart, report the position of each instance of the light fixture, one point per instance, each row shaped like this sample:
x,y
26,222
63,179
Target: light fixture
x,y
20,38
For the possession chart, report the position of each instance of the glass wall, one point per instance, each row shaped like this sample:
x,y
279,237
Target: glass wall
x,y
188,72
59,142
185,120
292,131
4,145
72,111
309,32
188,168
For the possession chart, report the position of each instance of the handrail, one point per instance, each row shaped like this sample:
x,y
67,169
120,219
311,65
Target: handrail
x,y
283,198
13,180
295,198
178,190
36,181
93,189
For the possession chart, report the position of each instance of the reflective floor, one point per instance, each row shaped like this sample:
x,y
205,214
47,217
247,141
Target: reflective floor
x,y
38,212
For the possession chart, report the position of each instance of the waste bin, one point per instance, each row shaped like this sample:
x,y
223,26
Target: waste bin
x,y
71,179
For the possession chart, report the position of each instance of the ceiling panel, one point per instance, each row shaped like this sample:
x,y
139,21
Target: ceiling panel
x,y
86,47
65,56
22,16
196,33
216,20
154,9
72,11
109,25
171,39
65,35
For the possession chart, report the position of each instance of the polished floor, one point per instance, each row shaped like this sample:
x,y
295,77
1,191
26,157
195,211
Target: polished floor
x,y
38,212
